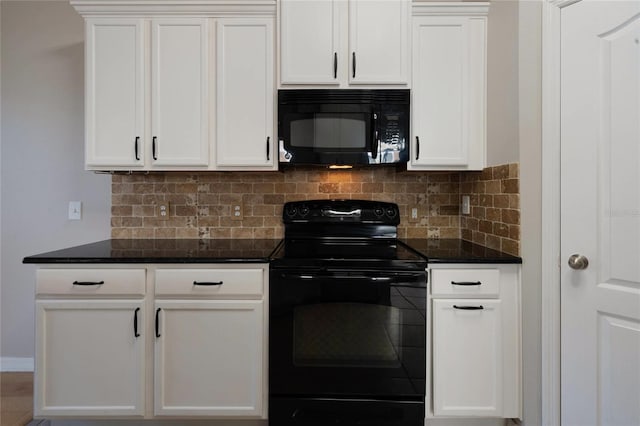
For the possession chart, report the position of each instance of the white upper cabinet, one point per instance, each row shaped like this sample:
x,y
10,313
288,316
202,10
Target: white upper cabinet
x,y
114,93
309,42
245,94
124,92
379,41
332,42
179,96
448,105
179,85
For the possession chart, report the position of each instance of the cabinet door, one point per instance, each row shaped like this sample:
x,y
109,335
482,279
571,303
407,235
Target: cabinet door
x,y
114,63
245,94
379,41
310,42
467,357
89,359
209,358
179,119
448,93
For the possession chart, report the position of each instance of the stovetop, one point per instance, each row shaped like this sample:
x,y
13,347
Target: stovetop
x,y
347,253
344,234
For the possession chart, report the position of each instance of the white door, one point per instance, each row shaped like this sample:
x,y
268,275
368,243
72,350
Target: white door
x,y
310,42
89,358
209,358
114,93
245,94
379,41
179,98
600,219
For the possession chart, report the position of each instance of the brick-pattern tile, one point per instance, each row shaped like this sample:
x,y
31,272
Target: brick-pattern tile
x,y
495,208
200,204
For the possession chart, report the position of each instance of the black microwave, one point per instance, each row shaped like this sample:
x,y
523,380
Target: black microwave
x,y
343,127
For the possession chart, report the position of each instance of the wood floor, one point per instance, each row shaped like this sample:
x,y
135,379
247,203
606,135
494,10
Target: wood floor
x,y
16,399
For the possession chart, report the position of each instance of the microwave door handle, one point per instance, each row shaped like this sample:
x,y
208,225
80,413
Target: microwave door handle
x,y
374,135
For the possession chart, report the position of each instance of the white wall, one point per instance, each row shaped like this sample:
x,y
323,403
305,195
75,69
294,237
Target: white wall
x,y
530,128
42,156
502,83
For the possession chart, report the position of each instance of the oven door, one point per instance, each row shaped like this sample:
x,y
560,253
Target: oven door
x,y
347,334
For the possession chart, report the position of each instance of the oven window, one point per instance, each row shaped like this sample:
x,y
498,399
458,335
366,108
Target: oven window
x,y
329,131
347,335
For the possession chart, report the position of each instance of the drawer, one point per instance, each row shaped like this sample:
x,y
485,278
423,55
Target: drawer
x,y
465,283
218,283
91,282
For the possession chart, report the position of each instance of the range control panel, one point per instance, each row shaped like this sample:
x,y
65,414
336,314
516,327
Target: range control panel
x,y
341,211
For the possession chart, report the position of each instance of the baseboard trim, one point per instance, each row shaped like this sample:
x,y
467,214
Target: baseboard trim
x,y
8,364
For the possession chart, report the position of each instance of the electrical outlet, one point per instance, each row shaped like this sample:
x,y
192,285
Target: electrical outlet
x,y
466,205
237,212
75,210
163,210
414,214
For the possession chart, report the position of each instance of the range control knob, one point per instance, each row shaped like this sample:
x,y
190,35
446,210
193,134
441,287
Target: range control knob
x,y
304,210
291,211
391,212
378,211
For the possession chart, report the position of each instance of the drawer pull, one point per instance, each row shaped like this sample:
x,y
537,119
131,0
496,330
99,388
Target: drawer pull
x,y
468,308
88,282
466,283
208,283
135,323
158,322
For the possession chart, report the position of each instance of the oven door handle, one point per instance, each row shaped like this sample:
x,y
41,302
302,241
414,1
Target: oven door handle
x,y
378,279
334,276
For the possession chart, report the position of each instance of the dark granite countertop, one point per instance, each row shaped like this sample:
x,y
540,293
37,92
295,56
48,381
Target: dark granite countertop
x,y
458,251
243,251
163,251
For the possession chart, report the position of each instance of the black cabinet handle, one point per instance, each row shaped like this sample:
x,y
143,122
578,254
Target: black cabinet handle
x,y
268,147
88,282
353,63
158,322
136,148
374,139
135,323
468,308
335,64
153,148
466,283
209,283
417,147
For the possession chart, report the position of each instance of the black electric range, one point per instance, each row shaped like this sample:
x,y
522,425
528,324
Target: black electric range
x,y
347,318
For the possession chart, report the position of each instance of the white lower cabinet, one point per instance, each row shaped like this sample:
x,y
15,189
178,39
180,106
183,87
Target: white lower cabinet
x,y
467,358
475,354
90,342
151,341
208,358
90,358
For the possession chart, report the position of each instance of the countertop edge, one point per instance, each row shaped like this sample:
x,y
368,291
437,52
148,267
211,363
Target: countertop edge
x,y
493,257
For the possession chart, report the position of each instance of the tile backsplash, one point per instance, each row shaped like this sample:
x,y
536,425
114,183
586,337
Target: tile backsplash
x,y
494,221
201,204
